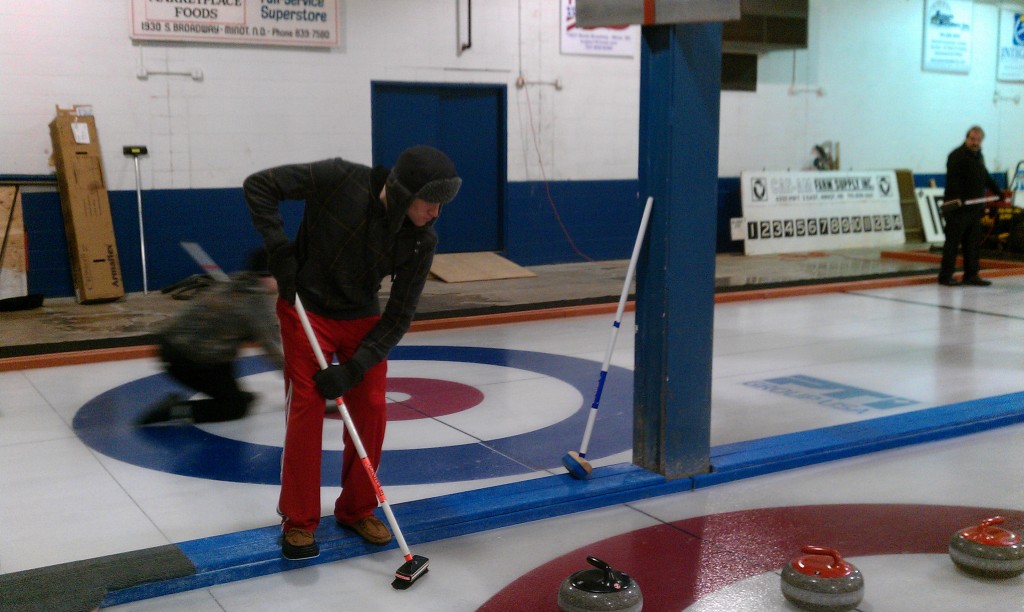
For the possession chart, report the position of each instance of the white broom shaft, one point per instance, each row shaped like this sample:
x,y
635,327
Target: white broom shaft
x,y
352,432
205,261
398,532
982,200
630,270
587,431
310,334
634,257
142,232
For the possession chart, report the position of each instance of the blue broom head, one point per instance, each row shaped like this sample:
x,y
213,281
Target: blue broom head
x,y
578,467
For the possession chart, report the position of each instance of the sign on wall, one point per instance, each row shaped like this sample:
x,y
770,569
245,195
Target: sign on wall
x,y
621,40
298,23
947,35
793,212
1010,65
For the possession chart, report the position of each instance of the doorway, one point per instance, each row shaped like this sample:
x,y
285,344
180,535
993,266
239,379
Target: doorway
x,y
469,123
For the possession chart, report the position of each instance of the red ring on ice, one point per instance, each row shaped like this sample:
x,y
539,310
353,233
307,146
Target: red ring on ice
x,y
427,398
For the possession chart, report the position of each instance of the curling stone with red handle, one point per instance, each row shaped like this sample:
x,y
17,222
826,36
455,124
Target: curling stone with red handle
x,y
599,589
988,551
822,581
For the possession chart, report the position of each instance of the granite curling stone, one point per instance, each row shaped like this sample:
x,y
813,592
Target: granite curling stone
x,y
822,581
602,588
988,551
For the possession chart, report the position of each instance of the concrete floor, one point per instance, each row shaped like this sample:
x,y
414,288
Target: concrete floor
x,y
61,324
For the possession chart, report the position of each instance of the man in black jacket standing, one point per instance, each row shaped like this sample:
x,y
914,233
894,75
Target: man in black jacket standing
x,y
359,225
966,179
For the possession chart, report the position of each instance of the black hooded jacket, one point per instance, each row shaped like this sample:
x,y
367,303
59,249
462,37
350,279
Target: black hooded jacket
x,y
347,243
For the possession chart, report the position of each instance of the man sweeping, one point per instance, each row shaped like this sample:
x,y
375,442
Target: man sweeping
x,y
200,345
359,225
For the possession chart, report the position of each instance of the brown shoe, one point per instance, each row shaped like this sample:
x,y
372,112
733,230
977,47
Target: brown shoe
x,y
299,544
370,529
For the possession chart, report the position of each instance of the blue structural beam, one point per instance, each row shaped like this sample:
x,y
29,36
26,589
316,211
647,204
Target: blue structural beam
x,y
679,115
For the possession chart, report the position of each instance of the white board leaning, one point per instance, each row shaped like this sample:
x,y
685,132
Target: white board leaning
x,y
795,212
929,199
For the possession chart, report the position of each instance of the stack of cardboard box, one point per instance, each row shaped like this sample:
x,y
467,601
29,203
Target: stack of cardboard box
x,y
95,267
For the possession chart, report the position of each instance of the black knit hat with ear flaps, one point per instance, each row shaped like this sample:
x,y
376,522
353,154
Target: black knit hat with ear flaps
x,y
420,172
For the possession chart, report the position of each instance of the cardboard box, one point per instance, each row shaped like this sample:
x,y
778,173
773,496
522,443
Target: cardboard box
x,y
913,228
95,266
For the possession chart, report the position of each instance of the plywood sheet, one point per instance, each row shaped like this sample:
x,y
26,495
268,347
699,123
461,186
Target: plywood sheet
x,y
13,277
464,267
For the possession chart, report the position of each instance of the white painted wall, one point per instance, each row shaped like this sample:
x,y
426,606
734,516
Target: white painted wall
x,y
260,106
882,108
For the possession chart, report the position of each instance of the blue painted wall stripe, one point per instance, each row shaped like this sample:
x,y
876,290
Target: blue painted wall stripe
x,y
601,218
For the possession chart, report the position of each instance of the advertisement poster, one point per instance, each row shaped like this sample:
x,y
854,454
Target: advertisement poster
x,y
1010,65
794,212
622,41
297,23
947,35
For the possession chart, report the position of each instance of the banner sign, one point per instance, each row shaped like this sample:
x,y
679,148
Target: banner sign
x,y
794,212
623,40
1010,65
297,23
947,35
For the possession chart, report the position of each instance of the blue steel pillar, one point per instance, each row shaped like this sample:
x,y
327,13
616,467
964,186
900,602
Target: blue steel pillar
x,y
679,116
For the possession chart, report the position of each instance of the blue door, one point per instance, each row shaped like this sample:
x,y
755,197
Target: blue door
x,y
468,122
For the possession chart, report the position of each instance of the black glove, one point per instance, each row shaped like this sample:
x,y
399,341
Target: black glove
x,y
284,268
336,380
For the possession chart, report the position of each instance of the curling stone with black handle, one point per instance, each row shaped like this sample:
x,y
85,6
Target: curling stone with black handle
x,y
599,589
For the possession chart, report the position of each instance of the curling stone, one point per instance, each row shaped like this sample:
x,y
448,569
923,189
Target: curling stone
x,y
599,589
822,581
988,551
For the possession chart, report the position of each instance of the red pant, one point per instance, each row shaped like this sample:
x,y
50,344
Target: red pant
x,y
299,503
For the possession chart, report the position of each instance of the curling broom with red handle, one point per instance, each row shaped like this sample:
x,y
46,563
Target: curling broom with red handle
x,y
415,566
576,462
